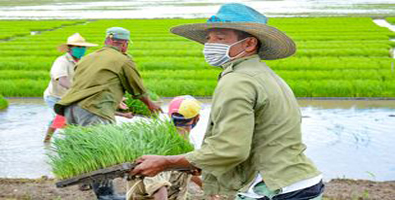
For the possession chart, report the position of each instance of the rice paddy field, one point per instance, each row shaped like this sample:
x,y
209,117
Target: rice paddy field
x,y
336,56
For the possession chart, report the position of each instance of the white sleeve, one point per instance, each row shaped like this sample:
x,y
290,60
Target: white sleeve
x,y
59,68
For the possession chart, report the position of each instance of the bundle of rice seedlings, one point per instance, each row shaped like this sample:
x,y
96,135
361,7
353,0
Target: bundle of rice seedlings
x,y
137,107
3,103
84,149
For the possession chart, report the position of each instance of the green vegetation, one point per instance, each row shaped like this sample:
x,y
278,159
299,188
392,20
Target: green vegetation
x,y
336,57
390,20
11,29
137,107
3,103
85,149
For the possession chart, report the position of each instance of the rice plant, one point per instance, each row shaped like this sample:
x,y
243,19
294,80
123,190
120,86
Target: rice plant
x,y
340,49
84,149
3,103
137,107
390,20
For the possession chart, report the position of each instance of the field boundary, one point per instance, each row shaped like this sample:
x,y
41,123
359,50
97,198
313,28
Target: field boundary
x,y
38,32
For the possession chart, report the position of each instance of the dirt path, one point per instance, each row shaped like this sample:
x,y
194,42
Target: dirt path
x,y
338,189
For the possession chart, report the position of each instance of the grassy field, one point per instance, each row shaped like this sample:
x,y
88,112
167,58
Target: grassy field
x,y
336,57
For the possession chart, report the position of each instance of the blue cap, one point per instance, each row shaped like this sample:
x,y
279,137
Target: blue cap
x,y
236,12
118,33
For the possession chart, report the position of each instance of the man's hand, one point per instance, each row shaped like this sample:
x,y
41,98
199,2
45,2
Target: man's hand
x,y
151,105
122,105
150,165
154,108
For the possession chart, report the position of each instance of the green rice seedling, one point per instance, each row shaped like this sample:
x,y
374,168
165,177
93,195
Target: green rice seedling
x,y
181,74
390,20
18,74
137,107
3,103
337,74
9,29
84,149
172,63
174,87
330,63
329,48
23,87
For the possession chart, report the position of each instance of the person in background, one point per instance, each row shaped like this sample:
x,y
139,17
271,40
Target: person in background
x,y
253,145
173,185
100,81
61,74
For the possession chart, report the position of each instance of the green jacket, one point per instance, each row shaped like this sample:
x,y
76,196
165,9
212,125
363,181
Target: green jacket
x,y
254,127
100,81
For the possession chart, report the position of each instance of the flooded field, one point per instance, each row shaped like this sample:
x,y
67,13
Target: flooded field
x,y
352,139
94,9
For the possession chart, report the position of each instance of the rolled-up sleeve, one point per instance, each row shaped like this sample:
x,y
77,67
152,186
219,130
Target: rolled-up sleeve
x,y
232,126
133,82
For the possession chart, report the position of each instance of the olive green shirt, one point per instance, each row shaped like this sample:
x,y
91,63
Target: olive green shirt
x,y
100,81
254,127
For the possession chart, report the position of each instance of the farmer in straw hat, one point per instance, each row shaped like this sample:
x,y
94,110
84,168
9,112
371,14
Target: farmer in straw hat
x,y
184,113
253,145
62,72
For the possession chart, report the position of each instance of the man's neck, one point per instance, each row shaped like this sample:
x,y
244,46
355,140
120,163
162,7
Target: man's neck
x,y
115,47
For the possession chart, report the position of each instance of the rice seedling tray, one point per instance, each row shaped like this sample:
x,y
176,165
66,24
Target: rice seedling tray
x,y
108,173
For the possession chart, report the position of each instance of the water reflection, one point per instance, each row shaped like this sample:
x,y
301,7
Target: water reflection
x,y
352,139
99,9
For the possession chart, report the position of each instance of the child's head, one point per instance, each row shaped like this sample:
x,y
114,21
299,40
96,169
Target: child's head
x,y
184,111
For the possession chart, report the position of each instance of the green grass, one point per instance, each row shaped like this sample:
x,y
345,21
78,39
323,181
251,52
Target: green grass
x,y
137,107
3,103
333,53
85,149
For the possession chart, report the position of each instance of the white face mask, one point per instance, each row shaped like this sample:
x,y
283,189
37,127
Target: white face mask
x,y
217,54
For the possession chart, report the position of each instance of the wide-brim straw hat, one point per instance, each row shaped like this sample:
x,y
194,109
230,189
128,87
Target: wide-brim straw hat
x,y
77,40
274,43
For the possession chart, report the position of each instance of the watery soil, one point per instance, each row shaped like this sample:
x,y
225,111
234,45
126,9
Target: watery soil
x,y
44,188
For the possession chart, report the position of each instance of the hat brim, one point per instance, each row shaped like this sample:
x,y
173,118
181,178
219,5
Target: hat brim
x,y
274,43
64,47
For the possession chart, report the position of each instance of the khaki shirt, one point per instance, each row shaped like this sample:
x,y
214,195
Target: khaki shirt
x,y
63,66
254,127
100,81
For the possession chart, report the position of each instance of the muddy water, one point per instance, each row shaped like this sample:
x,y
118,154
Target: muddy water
x,y
353,139
21,132
93,9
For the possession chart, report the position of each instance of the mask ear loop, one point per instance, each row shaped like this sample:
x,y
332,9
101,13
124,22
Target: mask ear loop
x,y
236,56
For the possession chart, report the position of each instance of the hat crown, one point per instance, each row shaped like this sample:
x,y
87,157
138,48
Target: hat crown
x,y
75,38
118,33
186,105
236,12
